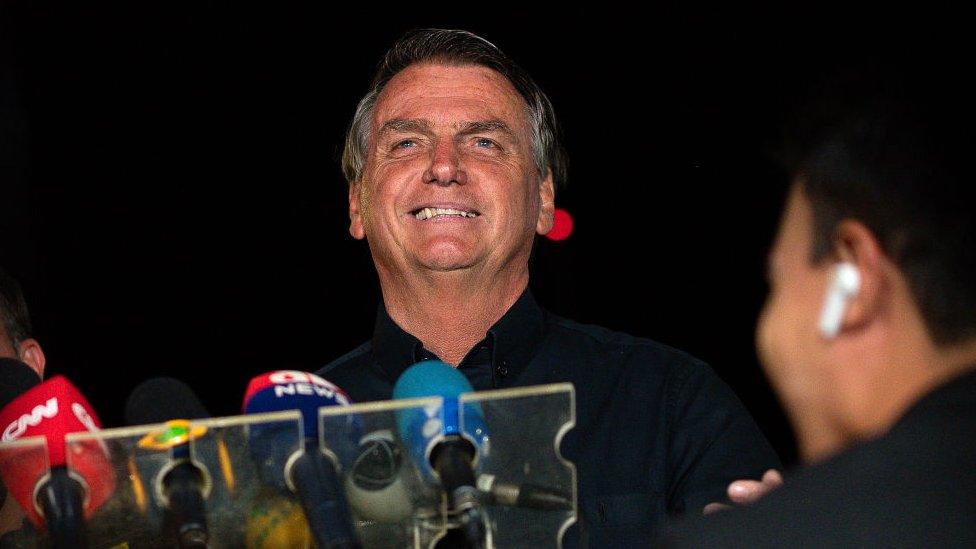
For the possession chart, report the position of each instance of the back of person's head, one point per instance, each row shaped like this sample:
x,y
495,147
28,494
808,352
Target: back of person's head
x,y
13,310
16,340
892,147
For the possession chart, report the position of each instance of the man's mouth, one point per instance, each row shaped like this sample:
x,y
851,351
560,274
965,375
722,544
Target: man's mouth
x,y
430,213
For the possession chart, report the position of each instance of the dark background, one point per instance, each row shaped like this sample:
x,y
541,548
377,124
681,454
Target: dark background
x,y
172,201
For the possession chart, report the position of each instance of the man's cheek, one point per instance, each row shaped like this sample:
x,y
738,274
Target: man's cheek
x,y
366,205
772,344
763,336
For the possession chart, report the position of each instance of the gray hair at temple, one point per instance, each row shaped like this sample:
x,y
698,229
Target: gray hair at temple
x,y
13,310
459,48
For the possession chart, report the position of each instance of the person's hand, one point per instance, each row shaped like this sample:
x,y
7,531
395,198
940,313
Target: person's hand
x,y
743,492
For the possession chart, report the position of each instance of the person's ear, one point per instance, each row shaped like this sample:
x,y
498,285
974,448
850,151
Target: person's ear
x,y
856,290
29,351
547,204
356,228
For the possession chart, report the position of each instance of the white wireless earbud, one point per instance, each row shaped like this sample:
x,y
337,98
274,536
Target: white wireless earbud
x,y
844,284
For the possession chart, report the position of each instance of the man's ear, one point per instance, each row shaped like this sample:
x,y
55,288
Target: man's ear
x,y
547,204
29,351
356,228
854,243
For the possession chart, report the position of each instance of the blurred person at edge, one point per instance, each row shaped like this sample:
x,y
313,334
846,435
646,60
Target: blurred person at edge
x,y
868,334
15,342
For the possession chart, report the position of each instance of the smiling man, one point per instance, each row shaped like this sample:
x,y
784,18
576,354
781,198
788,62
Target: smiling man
x,y
452,162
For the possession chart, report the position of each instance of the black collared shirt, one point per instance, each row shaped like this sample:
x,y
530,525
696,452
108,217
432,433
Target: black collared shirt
x,y
657,432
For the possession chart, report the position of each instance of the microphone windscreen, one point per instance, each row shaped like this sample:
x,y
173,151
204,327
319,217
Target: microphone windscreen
x,y
271,444
422,429
377,486
15,379
53,409
431,378
293,390
161,399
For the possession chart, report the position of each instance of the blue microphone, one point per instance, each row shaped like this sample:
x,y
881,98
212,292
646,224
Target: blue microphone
x,y
448,444
304,471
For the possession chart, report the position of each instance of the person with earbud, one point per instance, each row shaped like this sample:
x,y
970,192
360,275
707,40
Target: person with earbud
x,y
869,330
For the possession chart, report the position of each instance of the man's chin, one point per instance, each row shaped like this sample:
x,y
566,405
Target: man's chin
x,y
446,258
445,264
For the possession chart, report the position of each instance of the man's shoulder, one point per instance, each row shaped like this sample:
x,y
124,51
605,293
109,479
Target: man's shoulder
x,y
357,374
576,337
353,359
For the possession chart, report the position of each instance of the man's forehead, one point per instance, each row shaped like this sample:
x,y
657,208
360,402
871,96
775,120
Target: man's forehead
x,y
423,125
795,227
450,94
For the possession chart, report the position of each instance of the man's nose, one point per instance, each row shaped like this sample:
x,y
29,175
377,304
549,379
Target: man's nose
x,y
445,165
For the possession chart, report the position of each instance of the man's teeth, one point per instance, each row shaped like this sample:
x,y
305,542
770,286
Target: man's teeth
x,y
427,213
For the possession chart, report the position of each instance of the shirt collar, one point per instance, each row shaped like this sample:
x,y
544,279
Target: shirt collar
x,y
513,340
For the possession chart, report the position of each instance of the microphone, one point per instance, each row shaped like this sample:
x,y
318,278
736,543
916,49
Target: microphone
x,y
526,495
376,487
448,447
181,485
52,494
305,471
379,486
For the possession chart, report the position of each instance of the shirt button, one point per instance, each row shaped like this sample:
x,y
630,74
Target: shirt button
x,y
502,370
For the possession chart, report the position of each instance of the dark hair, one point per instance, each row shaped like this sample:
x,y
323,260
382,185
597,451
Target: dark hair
x,y
457,47
899,159
13,309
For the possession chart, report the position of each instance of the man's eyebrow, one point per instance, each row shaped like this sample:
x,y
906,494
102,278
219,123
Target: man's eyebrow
x,y
405,125
486,126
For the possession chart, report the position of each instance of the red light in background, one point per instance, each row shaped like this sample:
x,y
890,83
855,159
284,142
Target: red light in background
x,y
562,225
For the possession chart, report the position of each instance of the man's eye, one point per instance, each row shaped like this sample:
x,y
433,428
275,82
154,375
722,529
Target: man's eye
x,y
405,144
484,142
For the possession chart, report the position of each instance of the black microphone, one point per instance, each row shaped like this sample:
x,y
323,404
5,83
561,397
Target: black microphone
x,y
526,495
182,485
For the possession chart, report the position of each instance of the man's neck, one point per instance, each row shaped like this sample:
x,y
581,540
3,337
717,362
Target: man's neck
x,y
448,312
910,369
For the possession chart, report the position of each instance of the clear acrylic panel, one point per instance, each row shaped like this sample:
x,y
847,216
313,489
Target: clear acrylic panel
x,y
246,506
396,500
21,461
394,497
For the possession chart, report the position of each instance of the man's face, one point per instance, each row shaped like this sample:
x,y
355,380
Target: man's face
x,y
790,347
450,182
